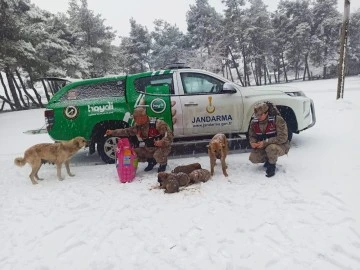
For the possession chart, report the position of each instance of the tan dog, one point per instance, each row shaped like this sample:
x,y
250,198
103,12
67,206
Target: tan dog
x,y
56,153
187,168
218,148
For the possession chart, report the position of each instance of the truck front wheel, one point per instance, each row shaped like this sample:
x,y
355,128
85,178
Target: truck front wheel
x,y
106,149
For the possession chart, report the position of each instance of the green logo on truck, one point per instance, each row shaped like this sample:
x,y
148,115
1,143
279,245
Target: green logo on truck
x,y
158,105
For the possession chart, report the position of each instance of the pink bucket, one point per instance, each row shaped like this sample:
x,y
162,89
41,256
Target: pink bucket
x,y
126,161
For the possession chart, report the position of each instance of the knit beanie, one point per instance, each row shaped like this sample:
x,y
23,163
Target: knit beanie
x,y
261,108
139,111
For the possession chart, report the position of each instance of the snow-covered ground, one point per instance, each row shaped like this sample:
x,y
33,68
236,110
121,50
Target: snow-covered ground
x,y
306,217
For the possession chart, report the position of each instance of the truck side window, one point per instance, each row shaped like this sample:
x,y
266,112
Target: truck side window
x,y
141,83
196,83
96,90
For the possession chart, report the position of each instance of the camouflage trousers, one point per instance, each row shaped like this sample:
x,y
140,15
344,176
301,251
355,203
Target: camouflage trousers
x,y
160,154
269,153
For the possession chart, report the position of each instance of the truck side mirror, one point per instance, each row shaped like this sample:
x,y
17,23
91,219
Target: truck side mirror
x,y
228,88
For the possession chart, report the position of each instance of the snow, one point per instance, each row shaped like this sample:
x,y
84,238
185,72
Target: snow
x,y
305,217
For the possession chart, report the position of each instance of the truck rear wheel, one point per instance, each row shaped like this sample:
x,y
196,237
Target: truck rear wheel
x,y
290,135
106,148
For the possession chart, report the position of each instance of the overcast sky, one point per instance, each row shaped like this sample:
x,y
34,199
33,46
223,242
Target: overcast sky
x,y
118,12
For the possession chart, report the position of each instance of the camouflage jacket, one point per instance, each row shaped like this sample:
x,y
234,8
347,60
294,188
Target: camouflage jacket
x,y
281,136
142,131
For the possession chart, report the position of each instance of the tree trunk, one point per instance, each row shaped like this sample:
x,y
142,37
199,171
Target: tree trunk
x,y
265,81
284,67
278,68
231,76
12,106
38,97
25,104
46,90
248,79
53,87
296,70
12,88
256,69
276,81
24,88
278,74
254,73
246,74
325,67
306,70
226,71
266,73
236,68
259,69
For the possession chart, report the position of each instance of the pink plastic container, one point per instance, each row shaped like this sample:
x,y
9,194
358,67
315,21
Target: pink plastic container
x,y
126,161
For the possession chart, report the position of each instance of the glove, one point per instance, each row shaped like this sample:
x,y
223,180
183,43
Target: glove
x,y
108,132
159,143
255,145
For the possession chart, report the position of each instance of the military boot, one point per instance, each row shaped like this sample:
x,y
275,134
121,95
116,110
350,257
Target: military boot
x,y
266,164
151,163
270,170
162,167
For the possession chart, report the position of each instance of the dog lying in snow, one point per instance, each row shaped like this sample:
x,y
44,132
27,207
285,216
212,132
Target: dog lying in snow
x,y
172,181
186,168
200,175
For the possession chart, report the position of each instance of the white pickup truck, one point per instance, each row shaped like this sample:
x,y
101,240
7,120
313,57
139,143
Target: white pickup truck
x,y
196,103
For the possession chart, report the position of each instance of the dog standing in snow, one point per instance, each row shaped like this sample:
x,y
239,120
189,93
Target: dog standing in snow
x,y
218,148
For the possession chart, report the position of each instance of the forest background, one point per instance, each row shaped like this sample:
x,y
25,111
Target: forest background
x,y
246,43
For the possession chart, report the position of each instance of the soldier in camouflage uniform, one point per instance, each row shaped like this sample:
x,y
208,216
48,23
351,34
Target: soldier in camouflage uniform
x,y
268,137
154,138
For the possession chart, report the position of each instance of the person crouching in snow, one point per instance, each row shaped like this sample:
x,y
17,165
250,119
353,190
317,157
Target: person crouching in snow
x,y
268,137
154,138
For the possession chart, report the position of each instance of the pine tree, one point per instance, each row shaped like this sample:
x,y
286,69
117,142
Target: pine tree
x,y
13,46
259,34
137,48
354,43
204,26
325,27
236,24
93,38
167,46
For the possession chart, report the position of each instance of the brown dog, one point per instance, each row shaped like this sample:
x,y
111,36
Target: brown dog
x,y
218,148
182,178
187,168
56,153
200,175
169,182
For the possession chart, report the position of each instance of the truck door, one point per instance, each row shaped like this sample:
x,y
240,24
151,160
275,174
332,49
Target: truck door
x,y
158,103
206,110
157,94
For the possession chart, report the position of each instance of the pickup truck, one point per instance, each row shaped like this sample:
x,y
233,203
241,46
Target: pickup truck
x,y
196,104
